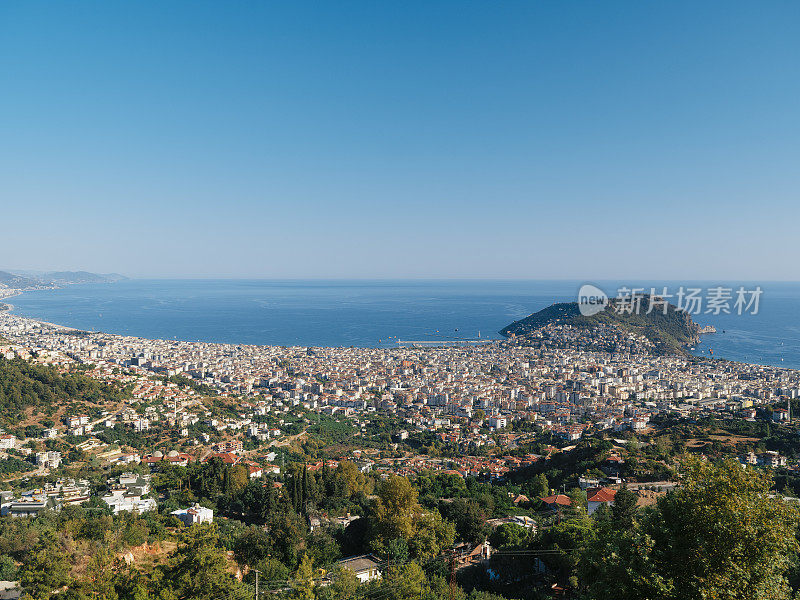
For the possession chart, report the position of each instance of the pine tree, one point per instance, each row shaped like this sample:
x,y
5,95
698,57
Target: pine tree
x,y
303,580
540,487
623,511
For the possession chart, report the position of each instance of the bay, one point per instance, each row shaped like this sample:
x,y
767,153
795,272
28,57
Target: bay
x,y
376,313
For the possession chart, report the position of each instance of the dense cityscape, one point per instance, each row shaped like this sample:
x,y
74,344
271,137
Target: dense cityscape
x,y
566,391
494,412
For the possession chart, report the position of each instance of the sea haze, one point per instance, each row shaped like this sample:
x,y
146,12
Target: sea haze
x,y
375,313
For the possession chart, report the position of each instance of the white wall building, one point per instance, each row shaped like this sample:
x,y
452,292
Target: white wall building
x,y
195,514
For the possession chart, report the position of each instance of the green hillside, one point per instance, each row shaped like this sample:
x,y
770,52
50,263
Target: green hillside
x,y
25,385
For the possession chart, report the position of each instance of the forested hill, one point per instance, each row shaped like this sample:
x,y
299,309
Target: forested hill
x,y
671,333
26,385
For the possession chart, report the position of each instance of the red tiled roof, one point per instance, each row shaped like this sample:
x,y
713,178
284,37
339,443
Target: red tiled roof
x,y
601,495
227,457
559,499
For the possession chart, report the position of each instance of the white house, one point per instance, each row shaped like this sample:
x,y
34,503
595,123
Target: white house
x,y
498,422
366,567
49,459
122,499
195,514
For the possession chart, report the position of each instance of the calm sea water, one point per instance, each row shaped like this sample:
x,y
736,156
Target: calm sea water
x,y
375,313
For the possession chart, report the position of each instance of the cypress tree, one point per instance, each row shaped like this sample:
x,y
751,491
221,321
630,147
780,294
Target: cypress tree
x,y
305,487
295,493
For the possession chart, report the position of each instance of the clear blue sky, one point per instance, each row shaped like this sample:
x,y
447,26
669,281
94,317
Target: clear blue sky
x,y
402,139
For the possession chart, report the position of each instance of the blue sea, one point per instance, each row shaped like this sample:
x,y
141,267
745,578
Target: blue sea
x,y
377,313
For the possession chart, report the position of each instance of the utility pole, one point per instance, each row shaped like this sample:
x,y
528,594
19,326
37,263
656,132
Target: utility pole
x,y
257,572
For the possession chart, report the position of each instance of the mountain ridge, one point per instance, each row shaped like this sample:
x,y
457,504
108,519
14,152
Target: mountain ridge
x,y
25,280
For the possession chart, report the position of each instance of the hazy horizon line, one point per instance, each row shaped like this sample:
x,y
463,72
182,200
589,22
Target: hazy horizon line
x,y
217,277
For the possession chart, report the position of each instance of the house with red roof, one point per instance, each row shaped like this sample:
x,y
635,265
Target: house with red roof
x,y
557,501
226,457
598,496
173,457
453,472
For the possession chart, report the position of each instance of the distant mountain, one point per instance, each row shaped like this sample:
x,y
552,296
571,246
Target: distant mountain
x,y
21,280
671,333
67,277
10,280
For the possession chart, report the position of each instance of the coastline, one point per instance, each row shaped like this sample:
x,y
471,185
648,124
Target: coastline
x,y
363,314
6,296
7,307
145,341
249,370
312,332
10,310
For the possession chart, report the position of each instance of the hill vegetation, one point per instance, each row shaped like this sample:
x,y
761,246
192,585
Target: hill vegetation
x,y
27,387
722,534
